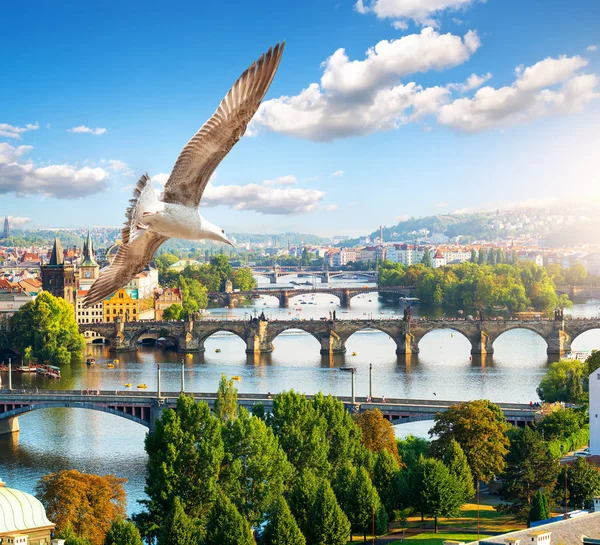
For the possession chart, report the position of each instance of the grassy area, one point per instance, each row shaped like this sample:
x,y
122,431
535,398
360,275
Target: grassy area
x,y
429,538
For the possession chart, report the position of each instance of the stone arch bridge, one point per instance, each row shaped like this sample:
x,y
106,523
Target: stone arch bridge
x,y
284,296
274,274
258,335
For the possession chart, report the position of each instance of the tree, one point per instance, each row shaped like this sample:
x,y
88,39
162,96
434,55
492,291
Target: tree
x,y
458,466
226,526
281,528
327,524
86,503
70,538
302,432
362,502
173,312
529,467
473,255
592,362
226,407
178,528
385,479
426,259
561,423
378,433
343,434
243,279
583,483
303,497
255,469
438,493
563,382
221,268
123,532
47,325
540,509
185,452
479,427
575,275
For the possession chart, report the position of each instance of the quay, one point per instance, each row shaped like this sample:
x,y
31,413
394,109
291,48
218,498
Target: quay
x,y
145,408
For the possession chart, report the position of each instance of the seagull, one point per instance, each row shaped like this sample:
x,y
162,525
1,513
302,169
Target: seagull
x,y
152,220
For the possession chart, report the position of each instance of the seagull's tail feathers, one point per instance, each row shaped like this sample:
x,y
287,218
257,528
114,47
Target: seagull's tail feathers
x,y
144,201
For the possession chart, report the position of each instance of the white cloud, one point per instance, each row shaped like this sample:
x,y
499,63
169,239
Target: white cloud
x,y
473,82
160,178
11,131
337,173
59,181
591,48
265,200
400,25
282,180
88,130
18,221
359,97
118,167
529,97
421,11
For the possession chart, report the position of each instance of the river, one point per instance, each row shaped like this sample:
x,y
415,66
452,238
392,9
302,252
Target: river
x,y
96,442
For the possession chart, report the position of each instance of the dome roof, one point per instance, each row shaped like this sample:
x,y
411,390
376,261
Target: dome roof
x,y
20,511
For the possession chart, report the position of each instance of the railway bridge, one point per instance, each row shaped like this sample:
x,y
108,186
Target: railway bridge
x,y
258,335
145,408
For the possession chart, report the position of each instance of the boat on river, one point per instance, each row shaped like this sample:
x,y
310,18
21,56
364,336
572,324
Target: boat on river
x,y
142,386
236,377
26,369
90,361
128,385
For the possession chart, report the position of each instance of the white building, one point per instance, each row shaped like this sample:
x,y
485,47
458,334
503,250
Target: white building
x,y
146,283
595,412
13,300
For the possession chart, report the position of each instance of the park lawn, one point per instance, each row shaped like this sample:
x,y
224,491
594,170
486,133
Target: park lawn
x,y
430,538
491,521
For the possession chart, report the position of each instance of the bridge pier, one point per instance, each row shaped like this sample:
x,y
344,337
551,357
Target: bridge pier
x,y
188,342
559,342
332,344
345,298
284,300
259,341
9,426
481,344
407,344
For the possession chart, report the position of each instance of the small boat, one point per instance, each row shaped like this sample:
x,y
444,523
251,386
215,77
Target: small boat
x,y
218,350
128,385
26,369
90,361
236,377
115,361
110,365
142,386
354,354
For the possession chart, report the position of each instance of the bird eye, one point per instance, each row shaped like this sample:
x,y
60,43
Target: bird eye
x,y
223,231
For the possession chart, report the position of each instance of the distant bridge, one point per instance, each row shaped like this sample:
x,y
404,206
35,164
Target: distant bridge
x,y
285,295
274,274
258,335
146,407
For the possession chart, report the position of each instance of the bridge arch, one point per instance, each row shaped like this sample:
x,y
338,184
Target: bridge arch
x,y
78,405
517,327
205,335
293,327
153,333
581,332
369,328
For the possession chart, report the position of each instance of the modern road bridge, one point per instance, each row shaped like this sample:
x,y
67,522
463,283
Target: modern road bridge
x,y
258,335
146,407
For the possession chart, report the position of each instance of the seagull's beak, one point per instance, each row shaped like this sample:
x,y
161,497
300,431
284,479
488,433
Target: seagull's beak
x,y
230,243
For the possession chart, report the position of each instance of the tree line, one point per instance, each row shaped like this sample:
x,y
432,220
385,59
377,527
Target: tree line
x,y
472,285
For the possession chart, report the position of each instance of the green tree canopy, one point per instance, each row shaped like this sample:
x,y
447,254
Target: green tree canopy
x,y
178,528
327,524
529,467
185,452
226,526
281,528
385,479
302,498
123,532
583,483
47,325
540,507
255,469
561,423
173,312
458,466
563,382
479,427
439,493
243,279
226,407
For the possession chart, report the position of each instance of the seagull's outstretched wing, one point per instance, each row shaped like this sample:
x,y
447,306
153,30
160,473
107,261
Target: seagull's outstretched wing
x,y
130,260
207,148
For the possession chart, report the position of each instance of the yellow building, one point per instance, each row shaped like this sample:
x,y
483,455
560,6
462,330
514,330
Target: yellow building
x,y
121,304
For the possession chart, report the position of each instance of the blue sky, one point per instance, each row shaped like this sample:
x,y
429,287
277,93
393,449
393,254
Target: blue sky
x,y
380,110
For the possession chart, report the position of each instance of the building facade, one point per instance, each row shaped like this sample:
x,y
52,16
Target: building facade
x,y
58,277
162,301
122,304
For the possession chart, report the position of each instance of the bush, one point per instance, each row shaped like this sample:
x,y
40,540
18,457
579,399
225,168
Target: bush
x,y
572,442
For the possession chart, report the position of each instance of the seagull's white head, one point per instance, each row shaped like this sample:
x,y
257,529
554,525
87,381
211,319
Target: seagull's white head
x,y
214,232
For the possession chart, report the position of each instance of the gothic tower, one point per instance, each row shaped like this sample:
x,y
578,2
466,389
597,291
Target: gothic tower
x,y
58,277
89,270
6,232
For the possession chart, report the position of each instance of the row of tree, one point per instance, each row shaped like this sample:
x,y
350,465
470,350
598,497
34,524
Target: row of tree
x,y
470,285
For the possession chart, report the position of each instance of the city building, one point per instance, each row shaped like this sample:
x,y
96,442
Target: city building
x,y
144,283
30,286
58,277
594,383
123,304
6,232
168,297
88,269
438,260
22,518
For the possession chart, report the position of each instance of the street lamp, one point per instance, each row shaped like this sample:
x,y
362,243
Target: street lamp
x,y
352,370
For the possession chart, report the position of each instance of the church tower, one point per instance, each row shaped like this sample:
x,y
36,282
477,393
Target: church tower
x,y
58,277
89,270
6,232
